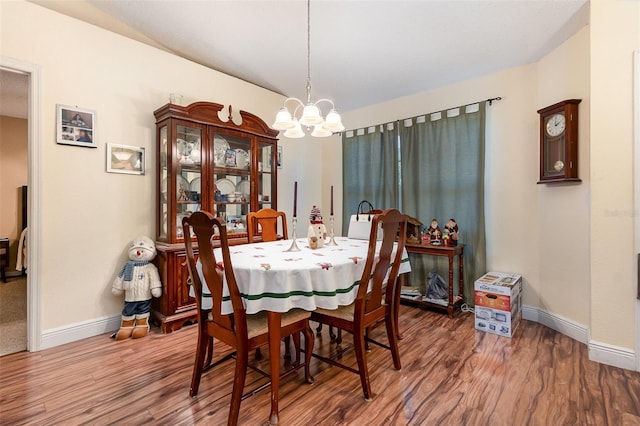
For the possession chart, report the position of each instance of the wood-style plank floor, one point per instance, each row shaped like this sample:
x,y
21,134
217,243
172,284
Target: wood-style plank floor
x,y
451,375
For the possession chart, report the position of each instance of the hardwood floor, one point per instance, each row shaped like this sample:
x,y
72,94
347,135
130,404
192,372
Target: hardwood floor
x,y
451,375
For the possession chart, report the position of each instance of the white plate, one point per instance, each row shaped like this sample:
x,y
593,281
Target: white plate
x,y
184,148
220,147
225,186
195,152
244,186
195,185
242,159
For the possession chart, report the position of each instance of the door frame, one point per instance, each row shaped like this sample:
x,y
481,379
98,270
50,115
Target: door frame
x,y
636,168
34,164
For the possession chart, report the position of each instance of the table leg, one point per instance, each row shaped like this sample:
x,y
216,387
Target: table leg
x,y
396,306
461,277
451,305
274,362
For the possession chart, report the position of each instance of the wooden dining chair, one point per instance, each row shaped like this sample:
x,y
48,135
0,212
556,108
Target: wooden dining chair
x,y
376,298
241,331
268,220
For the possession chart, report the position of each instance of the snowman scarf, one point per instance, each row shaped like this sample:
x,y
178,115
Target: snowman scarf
x,y
127,269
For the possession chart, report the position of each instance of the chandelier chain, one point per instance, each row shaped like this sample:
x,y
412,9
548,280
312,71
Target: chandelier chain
x,y
311,116
308,51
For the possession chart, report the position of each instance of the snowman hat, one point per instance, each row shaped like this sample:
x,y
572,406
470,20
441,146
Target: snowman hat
x,y
316,215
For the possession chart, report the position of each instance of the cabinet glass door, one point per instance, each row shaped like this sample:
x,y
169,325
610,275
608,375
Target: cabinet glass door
x,y
232,180
163,135
188,176
266,173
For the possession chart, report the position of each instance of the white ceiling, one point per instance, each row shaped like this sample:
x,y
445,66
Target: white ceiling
x,y
362,51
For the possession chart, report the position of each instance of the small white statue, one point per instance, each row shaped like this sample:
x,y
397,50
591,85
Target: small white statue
x,y
317,231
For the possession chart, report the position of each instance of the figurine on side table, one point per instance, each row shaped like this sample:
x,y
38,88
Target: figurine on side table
x,y
434,233
452,227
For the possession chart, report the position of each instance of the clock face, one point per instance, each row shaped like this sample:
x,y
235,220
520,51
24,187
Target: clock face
x,y
556,125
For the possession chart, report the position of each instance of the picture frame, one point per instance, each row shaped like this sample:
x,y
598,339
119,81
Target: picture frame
x,y
75,126
125,159
279,156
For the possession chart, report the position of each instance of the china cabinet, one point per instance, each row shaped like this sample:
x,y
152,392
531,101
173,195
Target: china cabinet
x,y
206,163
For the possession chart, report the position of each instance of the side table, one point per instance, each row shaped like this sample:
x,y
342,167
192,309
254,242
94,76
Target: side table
x,y
450,252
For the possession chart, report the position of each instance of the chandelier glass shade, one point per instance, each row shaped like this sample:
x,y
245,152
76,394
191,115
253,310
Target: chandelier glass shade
x,y
311,116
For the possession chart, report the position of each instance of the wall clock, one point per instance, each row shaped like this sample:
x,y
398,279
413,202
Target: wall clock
x,y
559,142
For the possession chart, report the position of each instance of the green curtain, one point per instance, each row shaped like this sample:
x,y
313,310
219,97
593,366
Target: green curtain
x,y
443,177
369,170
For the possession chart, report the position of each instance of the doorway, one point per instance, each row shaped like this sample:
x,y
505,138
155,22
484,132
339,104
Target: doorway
x,y
32,240
14,109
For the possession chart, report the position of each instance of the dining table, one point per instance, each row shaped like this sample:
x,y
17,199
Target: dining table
x,y
274,279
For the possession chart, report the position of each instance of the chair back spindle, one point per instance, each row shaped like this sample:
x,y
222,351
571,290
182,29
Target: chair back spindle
x,y
381,266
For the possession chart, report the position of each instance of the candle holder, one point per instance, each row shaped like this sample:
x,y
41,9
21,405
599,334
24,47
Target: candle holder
x,y
294,246
332,240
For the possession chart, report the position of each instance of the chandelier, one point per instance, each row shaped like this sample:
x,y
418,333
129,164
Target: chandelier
x,y
311,114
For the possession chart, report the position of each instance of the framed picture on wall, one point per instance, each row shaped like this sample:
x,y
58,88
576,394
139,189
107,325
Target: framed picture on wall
x,y
125,159
76,126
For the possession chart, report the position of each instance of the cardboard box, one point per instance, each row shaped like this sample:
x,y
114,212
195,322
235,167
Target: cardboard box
x,y
498,303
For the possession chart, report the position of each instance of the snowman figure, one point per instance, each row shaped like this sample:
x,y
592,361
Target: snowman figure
x,y
317,231
139,281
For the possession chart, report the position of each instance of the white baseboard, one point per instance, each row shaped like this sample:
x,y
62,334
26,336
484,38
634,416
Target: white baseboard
x,y
605,353
562,325
598,352
79,331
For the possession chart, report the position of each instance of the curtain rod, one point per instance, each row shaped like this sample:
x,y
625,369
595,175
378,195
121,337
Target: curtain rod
x,y
490,100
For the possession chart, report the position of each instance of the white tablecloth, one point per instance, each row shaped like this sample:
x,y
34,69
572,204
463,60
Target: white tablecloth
x,y
272,279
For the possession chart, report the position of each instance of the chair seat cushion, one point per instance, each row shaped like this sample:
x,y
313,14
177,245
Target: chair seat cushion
x,y
343,312
257,324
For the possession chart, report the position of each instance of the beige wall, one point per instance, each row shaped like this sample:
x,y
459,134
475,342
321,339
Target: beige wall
x,y
562,210
89,216
521,234
573,244
615,34
13,175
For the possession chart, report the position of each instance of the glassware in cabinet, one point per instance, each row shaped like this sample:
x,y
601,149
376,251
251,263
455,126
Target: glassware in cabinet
x,y
232,180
